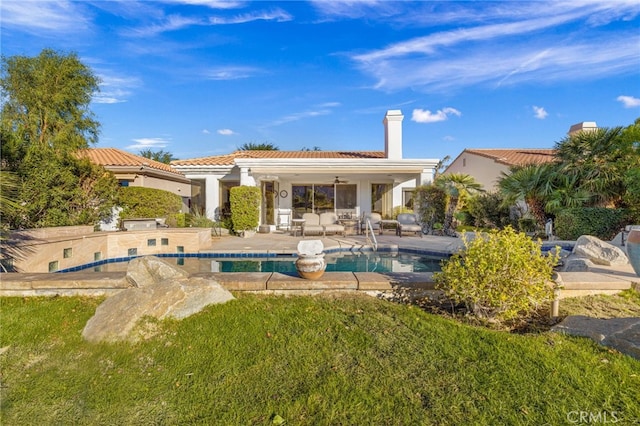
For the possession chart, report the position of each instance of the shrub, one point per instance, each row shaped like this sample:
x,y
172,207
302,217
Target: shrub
x,y
600,222
245,207
137,201
399,210
489,210
499,275
429,202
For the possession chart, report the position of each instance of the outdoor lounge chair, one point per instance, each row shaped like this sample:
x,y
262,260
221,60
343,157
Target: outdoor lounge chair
x,y
311,224
329,222
408,222
375,219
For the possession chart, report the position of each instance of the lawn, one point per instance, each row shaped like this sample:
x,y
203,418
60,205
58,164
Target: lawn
x,y
302,361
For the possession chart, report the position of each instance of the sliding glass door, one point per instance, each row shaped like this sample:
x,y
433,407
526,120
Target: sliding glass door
x,y
319,198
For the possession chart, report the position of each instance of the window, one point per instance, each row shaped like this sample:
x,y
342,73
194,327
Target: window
x,y
313,199
407,197
381,199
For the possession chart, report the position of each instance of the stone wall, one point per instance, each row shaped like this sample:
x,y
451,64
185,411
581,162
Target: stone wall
x,y
52,249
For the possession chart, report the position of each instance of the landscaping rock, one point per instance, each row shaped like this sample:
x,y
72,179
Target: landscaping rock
x,y
622,334
599,252
166,294
148,270
578,264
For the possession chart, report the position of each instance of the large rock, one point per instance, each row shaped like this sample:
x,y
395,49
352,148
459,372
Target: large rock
x,y
622,334
160,293
148,270
578,264
599,252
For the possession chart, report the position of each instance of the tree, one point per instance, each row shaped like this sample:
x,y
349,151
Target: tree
x,y
252,146
46,104
160,156
46,120
531,183
457,186
598,161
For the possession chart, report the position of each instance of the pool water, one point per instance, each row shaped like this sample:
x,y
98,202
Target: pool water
x,y
336,262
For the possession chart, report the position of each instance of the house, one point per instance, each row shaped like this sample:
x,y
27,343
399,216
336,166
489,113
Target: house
x,y
134,170
487,165
348,183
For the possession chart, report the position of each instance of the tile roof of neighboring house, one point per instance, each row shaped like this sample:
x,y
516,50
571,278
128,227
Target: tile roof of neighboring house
x,y
228,159
516,157
117,158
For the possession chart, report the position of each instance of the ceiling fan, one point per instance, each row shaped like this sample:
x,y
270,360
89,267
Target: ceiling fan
x,y
337,181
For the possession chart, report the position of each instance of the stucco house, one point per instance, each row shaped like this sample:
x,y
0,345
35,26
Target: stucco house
x,y
135,170
348,183
487,165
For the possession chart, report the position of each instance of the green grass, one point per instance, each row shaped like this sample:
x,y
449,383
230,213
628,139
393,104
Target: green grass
x,y
303,360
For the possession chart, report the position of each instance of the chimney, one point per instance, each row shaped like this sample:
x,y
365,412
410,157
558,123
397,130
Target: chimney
x,y
585,126
393,134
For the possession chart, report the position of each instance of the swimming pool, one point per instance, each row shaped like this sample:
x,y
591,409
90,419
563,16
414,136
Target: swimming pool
x,y
336,262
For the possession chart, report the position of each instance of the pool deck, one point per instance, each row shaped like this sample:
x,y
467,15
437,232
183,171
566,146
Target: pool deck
x,y
599,280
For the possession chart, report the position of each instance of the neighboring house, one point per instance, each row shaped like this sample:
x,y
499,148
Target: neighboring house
x,y
348,183
135,170
487,165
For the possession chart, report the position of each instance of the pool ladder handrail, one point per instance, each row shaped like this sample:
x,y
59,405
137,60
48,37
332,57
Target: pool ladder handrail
x,y
372,240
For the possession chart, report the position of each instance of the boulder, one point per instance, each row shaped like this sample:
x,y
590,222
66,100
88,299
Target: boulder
x,y
160,294
578,264
148,270
622,334
599,252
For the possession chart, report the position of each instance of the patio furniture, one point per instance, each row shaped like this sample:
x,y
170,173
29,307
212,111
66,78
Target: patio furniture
x,y
311,224
408,222
351,226
284,219
297,225
329,222
388,223
374,218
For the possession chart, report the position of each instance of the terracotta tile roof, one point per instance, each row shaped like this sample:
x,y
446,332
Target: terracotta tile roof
x,y
516,157
118,158
228,159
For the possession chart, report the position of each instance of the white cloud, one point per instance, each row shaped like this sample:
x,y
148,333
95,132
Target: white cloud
x,y
277,15
540,112
148,143
53,16
515,47
226,132
206,131
426,116
629,101
213,4
115,89
230,73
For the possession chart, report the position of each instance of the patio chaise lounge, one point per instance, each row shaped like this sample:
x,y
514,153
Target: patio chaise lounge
x,y
311,224
408,222
329,223
375,219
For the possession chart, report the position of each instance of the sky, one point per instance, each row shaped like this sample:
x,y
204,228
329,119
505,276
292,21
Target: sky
x,y
203,77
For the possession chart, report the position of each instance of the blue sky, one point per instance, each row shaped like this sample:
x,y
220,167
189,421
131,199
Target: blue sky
x,y
202,77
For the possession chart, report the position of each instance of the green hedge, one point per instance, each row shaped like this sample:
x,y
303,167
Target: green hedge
x,y
599,222
245,207
148,202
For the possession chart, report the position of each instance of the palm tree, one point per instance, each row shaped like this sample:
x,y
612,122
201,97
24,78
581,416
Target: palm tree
x,y
161,156
531,183
457,186
252,146
599,160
